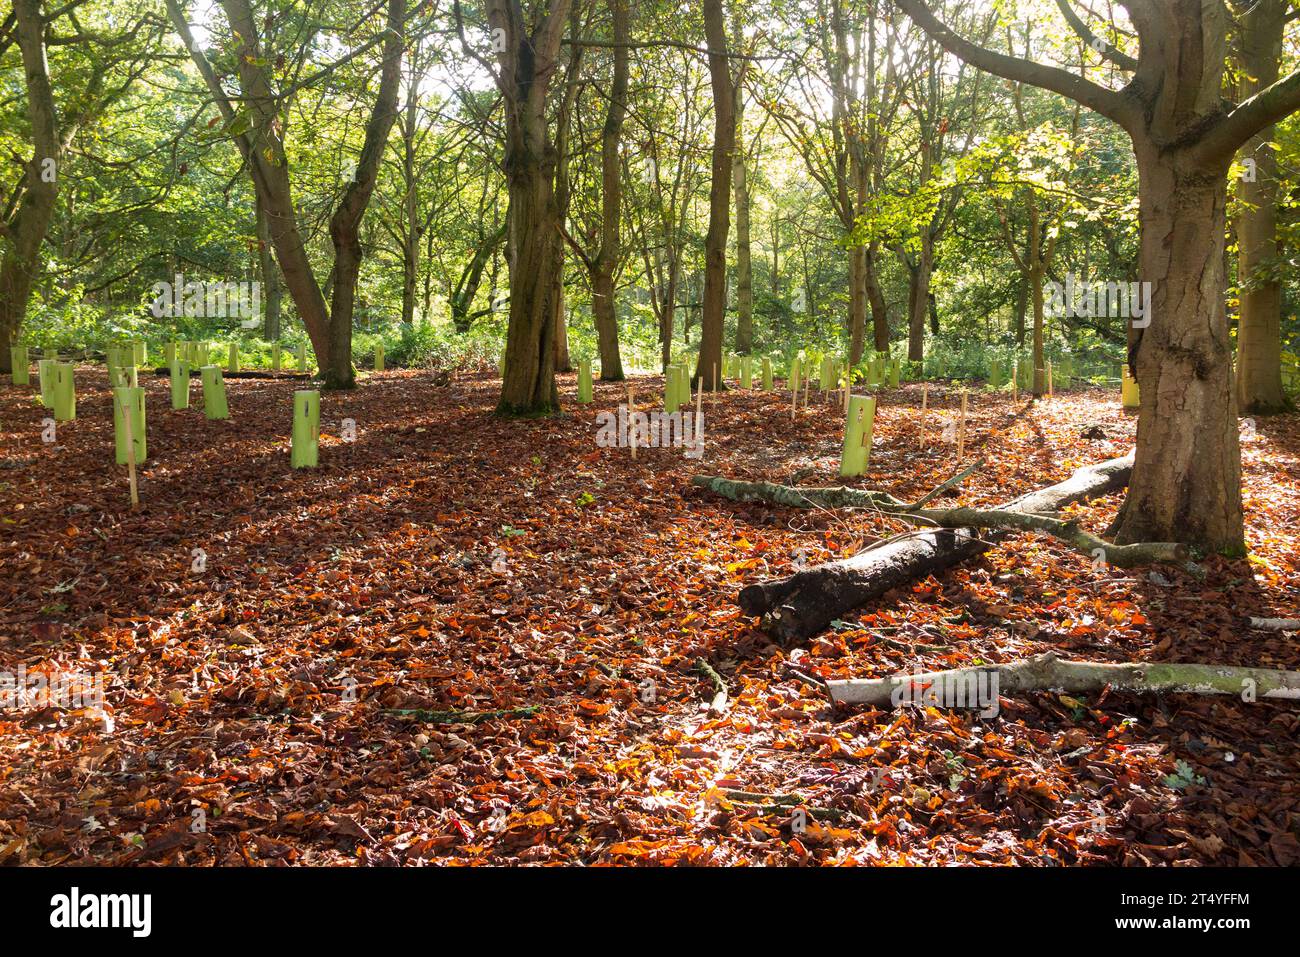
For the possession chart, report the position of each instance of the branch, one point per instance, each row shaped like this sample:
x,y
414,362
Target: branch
x,y
979,687
1271,104
1107,50
1108,103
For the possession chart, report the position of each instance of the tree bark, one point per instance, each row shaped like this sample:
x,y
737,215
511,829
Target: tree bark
x,y
805,603
272,290
715,241
345,225
744,262
1187,475
606,259
527,64
1259,322
27,229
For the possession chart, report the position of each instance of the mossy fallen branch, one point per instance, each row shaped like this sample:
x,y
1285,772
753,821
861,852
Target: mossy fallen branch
x,y
1047,672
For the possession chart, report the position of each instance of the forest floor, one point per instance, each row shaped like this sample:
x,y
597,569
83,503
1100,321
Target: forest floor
x,y
252,707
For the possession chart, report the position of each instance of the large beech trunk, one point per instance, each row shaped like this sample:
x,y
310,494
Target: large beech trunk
x,y
806,602
1187,474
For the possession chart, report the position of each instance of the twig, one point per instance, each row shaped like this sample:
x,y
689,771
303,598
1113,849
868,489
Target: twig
x,y
462,717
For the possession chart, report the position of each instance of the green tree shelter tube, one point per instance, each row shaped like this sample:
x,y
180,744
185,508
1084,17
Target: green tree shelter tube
x,y
214,393
45,374
21,365
132,401
305,452
857,435
584,381
65,392
180,375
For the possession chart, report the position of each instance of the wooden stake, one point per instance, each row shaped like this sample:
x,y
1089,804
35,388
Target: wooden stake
x,y
925,397
1050,393
130,452
961,430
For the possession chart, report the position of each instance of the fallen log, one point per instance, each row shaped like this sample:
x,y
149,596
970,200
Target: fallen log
x,y
970,687
806,602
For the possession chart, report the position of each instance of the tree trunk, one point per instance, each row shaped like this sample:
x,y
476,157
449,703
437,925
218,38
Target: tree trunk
x,y
1187,475
27,229
345,225
611,203
471,278
271,288
715,242
857,303
268,165
562,361
918,300
876,300
805,603
1259,324
1036,291
1021,307
744,263
410,204
527,64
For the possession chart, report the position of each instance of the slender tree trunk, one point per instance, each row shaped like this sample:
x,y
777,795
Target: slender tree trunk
x,y
744,264
1036,290
857,302
562,361
1187,472
1259,324
410,205
876,300
918,301
272,292
714,301
611,184
345,225
471,279
1021,307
